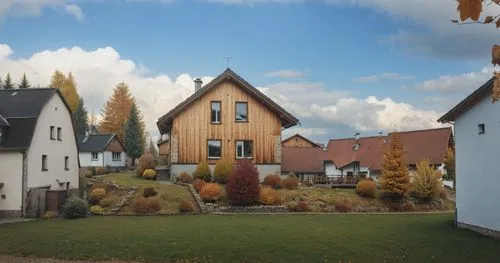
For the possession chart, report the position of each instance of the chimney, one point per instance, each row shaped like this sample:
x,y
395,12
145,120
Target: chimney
x,y
87,134
197,84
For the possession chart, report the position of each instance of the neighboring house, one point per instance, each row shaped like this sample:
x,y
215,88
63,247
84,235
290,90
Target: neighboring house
x,y
227,118
101,150
298,140
302,157
38,151
363,156
477,152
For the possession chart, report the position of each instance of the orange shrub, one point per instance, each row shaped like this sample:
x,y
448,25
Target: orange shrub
x,y
198,184
366,188
302,206
185,178
269,196
146,205
408,207
343,205
186,206
96,195
272,180
210,192
291,181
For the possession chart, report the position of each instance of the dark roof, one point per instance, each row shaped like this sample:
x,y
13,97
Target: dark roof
x,y
469,101
301,159
303,138
3,121
94,142
20,109
287,119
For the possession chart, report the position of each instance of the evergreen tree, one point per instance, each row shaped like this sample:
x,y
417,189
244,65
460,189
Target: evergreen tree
x,y
81,118
395,179
8,82
133,139
24,82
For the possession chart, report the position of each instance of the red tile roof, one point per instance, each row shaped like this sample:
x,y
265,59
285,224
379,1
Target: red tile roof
x,y
301,159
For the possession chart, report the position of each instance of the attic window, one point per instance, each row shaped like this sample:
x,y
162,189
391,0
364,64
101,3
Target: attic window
x,y
481,128
355,147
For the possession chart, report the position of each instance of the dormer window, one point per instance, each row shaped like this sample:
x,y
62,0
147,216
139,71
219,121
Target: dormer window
x,y
355,147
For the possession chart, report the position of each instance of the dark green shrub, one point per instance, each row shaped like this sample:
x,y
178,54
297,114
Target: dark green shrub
x,y
75,208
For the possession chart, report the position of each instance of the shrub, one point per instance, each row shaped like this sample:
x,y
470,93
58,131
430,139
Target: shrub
x,y
291,205
186,206
394,182
210,192
49,215
202,172
75,208
149,174
302,206
101,170
185,178
408,207
426,183
269,196
222,171
146,205
366,188
97,210
242,187
145,162
149,191
272,180
291,181
198,184
93,170
343,205
96,195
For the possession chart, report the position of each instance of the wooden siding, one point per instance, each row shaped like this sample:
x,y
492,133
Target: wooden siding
x,y
192,128
164,148
297,141
115,146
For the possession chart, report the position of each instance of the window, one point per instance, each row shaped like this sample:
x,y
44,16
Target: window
x,y
95,156
214,149
66,163
243,149
481,128
59,135
44,163
215,112
117,156
52,133
241,111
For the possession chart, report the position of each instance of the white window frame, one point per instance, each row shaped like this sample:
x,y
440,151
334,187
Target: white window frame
x,y
92,156
217,114
113,157
240,155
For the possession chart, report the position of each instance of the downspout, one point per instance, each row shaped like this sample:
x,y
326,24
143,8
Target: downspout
x,y
24,183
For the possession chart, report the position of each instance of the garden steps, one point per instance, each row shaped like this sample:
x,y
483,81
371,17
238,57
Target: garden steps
x,y
118,206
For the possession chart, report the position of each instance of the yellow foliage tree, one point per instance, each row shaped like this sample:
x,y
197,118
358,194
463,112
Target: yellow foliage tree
x,y
426,183
395,181
67,86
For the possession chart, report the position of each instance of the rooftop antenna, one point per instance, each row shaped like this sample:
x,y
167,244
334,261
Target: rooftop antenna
x,y
227,58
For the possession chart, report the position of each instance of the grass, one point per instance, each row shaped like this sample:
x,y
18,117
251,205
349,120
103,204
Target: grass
x,y
252,238
169,195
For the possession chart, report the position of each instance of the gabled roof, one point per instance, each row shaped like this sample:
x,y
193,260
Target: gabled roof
x,y
469,101
303,138
369,153
301,159
287,119
20,109
3,121
95,142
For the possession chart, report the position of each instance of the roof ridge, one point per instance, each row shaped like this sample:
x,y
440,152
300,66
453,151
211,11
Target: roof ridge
x,y
352,138
28,89
423,130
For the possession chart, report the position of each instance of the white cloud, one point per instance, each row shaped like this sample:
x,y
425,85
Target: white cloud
x,y
466,82
384,76
75,11
286,73
254,2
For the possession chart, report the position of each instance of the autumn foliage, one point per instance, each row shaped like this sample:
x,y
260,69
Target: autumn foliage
x,y
366,188
185,178
426,183
269,196
203,172
145,162
242,187
470,9
222,171
198,184
395,180
272,180
210,192
290,182
67,86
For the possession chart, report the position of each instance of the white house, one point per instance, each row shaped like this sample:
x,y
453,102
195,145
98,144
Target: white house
x,y
477,152
38,150
101,150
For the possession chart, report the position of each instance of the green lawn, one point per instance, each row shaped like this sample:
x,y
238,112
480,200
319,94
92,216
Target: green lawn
x,y
252,238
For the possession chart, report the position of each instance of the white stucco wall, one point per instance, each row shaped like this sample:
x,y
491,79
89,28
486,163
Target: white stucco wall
x,y
108,160
86,159
331,170
477,174
11,174
264,169
54,114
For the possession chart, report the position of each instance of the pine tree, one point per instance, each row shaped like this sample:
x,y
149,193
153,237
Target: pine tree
x,y
395,179
133,139
24,82
81,118
67,86
8,82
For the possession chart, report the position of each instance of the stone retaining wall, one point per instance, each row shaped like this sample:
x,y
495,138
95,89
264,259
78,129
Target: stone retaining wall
x,y
197,198
253,209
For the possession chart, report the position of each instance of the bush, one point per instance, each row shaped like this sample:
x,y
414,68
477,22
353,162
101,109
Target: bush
x,y
149,191
302,206
203,172
149,174
186,206
343,205
185,178
198,184
145,162
272,180
100,170
291,181
291,205
75,208
93,170
408,207
49,215
146,205
96,195
366,188
269,196
426,183
97,210
222,171
210,192
242,187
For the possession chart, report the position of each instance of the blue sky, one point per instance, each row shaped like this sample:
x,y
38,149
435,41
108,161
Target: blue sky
x,y
348,50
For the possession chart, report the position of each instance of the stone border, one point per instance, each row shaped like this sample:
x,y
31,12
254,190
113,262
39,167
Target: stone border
x,y
266,209
118,206
480,230
197,198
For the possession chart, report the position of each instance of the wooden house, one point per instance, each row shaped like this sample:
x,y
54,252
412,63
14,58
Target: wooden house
x,y
298,140
227,118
